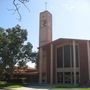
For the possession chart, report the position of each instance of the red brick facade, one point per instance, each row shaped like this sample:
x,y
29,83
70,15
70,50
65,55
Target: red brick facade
x,y
46,60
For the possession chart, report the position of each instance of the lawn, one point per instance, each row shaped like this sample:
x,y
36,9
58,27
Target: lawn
x,y
16,86
70,89
5,85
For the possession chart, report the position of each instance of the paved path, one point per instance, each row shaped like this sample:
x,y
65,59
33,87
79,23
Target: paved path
x,y
40,88
29,88
26,88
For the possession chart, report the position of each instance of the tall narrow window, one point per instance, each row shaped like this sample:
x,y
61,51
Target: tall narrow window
x,y
60,77
71,55
67,56
60,57
65,63
77,56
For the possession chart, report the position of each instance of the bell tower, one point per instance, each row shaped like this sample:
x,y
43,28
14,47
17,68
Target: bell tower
x,y
45,37
45,28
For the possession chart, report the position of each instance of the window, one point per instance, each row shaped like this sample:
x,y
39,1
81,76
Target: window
x,y
60,57
65,61
71,54
60,77
77,56
77,77
67,77
67,56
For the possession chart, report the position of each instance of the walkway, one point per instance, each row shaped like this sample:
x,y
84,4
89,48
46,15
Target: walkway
x,y
29,88
33,87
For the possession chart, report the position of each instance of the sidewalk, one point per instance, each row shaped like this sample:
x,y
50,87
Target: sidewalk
x,y
28,88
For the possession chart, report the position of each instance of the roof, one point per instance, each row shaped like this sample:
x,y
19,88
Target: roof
x,y
64,39
25,71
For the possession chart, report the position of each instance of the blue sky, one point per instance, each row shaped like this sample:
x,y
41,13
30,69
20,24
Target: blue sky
x,y
71,18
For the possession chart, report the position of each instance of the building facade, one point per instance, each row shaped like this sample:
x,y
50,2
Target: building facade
x,y
63,61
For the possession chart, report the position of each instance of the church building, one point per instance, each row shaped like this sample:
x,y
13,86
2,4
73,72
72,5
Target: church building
x,y
63,61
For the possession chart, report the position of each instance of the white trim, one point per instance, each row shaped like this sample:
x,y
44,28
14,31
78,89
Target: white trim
x,y
88,50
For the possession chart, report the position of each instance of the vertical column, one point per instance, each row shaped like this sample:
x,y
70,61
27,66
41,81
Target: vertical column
x,y
51,67
56,65
74,62
40,66
63,66
71,62
79,62
88,50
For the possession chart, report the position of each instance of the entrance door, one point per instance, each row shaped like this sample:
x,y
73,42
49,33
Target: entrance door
x,y
67,77
60,77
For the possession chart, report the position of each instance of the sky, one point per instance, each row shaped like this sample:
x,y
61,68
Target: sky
x,y
71,18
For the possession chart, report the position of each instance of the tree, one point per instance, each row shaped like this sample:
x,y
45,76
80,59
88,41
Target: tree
x,y
26,55
22,63
13,49
17,3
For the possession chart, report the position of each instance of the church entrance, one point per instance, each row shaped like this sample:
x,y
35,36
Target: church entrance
x,y
67,77
64,77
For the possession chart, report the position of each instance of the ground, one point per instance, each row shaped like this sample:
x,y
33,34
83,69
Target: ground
x,y
16,86
44,88
26,88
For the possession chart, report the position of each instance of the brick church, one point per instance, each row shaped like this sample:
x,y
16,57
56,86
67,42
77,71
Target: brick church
x,y
63,61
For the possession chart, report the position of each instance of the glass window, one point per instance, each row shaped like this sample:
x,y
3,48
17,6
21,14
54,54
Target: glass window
x,y
77,57
67,56
71,52
77,77
60,77
67,77
60,57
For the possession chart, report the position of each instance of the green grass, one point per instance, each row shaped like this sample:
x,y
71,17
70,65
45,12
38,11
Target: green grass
x,y
6,85
68,87
13,86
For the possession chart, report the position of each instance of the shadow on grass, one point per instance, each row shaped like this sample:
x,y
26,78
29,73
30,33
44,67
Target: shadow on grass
x,y
4,84
51,87
39,86
70,87
57,87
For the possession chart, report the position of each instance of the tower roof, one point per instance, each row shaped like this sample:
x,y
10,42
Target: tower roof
x,y
46,11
